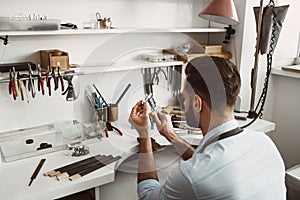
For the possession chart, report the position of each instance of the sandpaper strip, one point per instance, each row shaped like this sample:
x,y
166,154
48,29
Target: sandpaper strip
x,y
62,169
73,171
94,168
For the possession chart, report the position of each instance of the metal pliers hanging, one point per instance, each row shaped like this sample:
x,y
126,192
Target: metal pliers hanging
x,y
110,127
40,80
48,78
31,82
20,86
12,84
61,79
55,79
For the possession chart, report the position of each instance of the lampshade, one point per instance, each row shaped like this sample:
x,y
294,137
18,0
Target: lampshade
x,y
220,11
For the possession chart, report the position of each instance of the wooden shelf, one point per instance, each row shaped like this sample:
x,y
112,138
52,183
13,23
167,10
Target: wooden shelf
x,y
112,31
292,72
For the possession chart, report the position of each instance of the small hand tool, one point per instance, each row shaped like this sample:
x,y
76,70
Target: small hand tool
x,y
20,86
48,83
36,171
149,96
15,80
24,77
110,127
55,79
122,95
40,80
106,104
10,82
74,165
93,168
60,78
11,85
31,82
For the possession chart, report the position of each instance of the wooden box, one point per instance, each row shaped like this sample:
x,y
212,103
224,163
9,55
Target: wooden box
x,y
52,57
211,48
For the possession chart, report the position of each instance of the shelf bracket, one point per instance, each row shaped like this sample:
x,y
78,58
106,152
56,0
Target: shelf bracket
x,y
5,39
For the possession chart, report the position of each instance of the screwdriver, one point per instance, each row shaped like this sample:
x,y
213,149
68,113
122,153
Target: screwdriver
x,y
36,171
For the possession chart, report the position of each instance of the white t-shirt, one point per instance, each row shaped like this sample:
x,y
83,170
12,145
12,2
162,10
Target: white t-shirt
x,y
244,166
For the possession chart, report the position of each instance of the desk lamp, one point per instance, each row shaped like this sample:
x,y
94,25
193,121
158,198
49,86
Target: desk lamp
x,y
221,11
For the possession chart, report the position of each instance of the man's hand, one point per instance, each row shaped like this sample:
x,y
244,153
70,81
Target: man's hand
x,y
139,119
164,125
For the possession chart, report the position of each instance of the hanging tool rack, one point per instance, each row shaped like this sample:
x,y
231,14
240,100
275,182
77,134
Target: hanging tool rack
x,y
20,84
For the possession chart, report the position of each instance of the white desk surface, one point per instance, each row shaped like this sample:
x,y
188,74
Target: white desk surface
x,y
15,176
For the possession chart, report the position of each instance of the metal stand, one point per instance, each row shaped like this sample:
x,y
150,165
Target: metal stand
x,y
252,113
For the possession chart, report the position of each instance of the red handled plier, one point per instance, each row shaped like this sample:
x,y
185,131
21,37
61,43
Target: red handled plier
x,y
110,127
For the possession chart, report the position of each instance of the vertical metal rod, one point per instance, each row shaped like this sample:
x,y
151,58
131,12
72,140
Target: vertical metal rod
x,y
252,113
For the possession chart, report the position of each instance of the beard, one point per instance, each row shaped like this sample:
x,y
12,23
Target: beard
x,y
192,119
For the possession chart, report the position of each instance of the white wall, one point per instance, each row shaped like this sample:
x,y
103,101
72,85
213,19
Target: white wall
x,y
281,106
133,13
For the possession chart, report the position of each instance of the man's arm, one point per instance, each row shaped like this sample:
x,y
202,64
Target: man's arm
x,y
146,168
165,128
140,120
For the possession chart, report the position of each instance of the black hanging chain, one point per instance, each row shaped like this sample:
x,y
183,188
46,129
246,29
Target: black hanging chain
x,y
263,96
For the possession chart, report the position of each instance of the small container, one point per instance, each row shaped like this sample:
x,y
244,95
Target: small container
x,y
113,112
72,130
101,114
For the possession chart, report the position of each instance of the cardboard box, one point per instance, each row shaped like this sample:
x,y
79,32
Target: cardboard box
x,y
52,57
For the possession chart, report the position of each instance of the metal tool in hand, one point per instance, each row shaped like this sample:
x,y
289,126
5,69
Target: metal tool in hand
x,y
149,98
110,127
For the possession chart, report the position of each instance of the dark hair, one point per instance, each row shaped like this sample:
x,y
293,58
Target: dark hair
x,y
216,80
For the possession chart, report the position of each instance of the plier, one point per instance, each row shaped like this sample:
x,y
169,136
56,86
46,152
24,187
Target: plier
x,y
61,79
48,78
40,80
54,78
110,127
20,86
12,85
31,82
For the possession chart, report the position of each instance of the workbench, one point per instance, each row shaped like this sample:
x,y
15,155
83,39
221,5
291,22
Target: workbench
x,y
15,176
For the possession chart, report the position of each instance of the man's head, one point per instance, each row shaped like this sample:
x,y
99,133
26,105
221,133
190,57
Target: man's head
x,y
212,85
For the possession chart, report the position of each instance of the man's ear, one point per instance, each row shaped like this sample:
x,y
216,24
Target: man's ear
x,y
197,103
